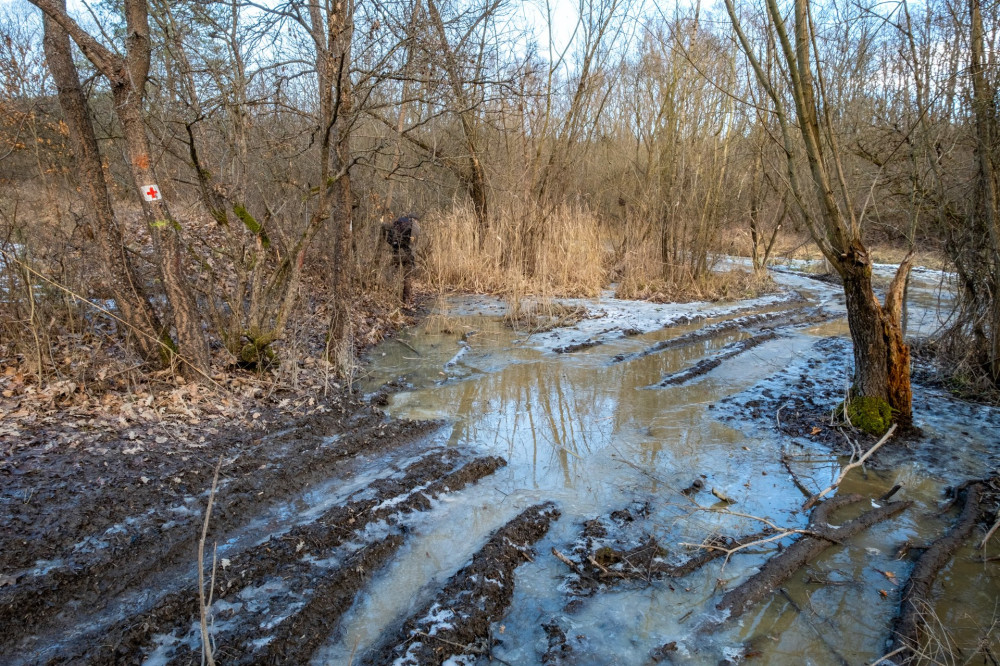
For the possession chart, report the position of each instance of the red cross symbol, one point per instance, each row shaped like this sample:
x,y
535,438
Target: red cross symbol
x,y
151,193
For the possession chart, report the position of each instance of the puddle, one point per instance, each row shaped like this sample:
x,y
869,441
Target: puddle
x,y
589,434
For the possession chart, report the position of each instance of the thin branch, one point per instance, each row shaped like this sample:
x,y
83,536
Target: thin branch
x,y
843,473
206,645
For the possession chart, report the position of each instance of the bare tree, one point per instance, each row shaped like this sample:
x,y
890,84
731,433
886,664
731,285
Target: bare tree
x,y
127,75
985,220
881,356
129,294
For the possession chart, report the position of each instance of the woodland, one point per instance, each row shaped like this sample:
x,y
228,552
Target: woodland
x,y
193,194
629,151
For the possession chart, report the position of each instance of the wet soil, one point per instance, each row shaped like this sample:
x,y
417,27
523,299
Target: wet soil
x,y
546,511
457,622
98,556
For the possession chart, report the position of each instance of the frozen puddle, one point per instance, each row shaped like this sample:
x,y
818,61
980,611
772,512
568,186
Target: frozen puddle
x,y
588,433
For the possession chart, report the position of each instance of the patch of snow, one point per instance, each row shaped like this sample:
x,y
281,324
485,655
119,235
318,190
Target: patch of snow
x,y
437,619
609,318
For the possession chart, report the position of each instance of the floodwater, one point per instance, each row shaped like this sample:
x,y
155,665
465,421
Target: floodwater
x,y
593,435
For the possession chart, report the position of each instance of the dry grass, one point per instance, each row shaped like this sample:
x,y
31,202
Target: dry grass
x,y
939,646
569,260
540,316
642,279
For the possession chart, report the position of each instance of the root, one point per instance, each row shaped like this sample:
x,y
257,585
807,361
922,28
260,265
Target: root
x,y
780,568
917,591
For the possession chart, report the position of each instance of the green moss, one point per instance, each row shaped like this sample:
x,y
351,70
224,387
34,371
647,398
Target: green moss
x,y
168,348
251,223
607,556
220,216
258,355
872,415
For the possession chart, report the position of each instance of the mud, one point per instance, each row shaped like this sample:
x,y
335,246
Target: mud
x,y
781,318
457,622
620,549
560,651
100,561
354,537
706,365
293,555
88,516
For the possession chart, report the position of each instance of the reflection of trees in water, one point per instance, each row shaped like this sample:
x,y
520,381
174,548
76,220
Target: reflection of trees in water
x,y
542,408
557,412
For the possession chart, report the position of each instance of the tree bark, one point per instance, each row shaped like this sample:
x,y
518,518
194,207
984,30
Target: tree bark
x,y
881,356
129,294
986,195
127,76
341,210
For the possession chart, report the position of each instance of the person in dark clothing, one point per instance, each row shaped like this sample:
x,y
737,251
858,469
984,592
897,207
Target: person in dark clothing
x,y
401,235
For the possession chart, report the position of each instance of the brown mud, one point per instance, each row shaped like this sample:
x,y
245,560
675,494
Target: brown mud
x,y
98,548
98,558
457,621
620,549
325,595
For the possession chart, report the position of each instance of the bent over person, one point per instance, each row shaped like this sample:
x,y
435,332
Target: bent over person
x,y
401,235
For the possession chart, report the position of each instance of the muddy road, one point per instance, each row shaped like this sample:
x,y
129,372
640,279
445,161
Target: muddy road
x,y
600,492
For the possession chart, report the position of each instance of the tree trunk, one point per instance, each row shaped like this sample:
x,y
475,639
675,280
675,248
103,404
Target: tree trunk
x,y
332,30
341,208
130,297
986,196
881,356
165,232
127,76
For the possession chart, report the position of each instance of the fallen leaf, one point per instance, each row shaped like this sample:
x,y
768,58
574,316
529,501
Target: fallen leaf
x,y
816,430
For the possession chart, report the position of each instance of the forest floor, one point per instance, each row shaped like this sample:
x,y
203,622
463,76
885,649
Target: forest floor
x,y
325,502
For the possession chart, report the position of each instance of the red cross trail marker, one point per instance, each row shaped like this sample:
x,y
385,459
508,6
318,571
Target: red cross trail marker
x,y
151,193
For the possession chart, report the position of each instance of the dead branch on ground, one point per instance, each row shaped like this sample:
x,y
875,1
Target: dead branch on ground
x,y
781,567
917,591
843,473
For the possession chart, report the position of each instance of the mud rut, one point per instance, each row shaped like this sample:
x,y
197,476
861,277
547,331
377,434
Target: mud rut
x,y
100,567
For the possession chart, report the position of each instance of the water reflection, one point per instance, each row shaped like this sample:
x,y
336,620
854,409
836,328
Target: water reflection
x,y
590,434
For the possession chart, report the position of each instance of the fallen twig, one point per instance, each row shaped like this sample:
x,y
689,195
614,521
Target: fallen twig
x,y
843,473
568,562
206,645
407,346
795,477
990,533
